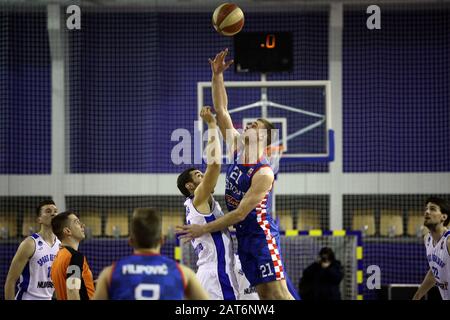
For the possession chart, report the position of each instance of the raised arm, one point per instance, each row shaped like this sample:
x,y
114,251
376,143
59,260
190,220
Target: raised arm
x,y
261,184
23,254
213,159
220,100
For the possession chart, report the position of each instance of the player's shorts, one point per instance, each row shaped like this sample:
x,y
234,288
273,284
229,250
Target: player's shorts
x,y
218,287
28,296
260,258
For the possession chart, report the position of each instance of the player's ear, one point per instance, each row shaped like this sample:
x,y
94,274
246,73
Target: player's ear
x,y
162,240
263,135
189,186
130,242
67,231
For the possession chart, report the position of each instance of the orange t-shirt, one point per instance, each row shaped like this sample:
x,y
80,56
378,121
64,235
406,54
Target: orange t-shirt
x,y
67,261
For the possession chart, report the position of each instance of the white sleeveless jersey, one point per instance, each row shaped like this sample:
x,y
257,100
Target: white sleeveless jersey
x,y
35,282
439,262
215,255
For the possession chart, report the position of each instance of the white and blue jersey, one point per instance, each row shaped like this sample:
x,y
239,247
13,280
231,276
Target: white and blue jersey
x,y
439,262
257,235
215,255
146,277
35,282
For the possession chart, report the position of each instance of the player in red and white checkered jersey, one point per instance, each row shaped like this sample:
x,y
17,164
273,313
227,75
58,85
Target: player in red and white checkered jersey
x,y
248,195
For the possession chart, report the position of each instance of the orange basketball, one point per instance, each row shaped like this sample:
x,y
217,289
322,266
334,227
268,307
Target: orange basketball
x,y
228,19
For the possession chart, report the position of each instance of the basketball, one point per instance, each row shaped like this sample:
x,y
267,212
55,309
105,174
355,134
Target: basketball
x,y
228,19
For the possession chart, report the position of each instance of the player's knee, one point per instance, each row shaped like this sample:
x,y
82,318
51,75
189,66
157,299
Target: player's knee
x,y
267,296
282,294
279,295
264,294
272,294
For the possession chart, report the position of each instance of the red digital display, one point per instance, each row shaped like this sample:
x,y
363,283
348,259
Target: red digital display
x,y
263,51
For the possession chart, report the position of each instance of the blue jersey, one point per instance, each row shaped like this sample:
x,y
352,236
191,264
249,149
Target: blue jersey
x,y
146,277
237,182
257,235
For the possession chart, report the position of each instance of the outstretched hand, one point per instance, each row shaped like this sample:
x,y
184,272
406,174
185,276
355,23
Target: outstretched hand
x,y
207,115
189,231
218,65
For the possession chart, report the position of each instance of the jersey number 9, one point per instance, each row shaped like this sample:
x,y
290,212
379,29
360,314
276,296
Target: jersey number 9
x,y
152,290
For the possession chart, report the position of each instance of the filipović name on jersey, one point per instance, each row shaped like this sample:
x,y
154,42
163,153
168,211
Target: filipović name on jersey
x,y
145,269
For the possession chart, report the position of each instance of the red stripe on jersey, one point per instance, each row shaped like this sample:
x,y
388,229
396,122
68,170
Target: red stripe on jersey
x,y
271,242
182,276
